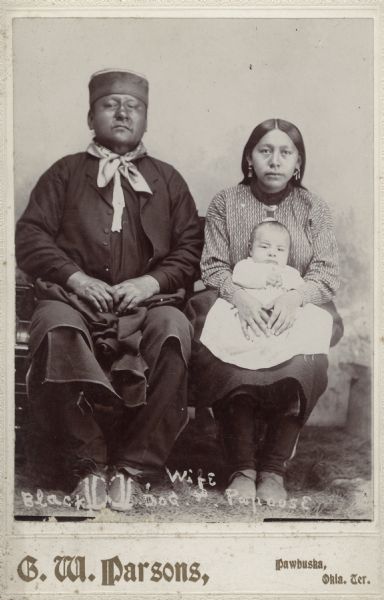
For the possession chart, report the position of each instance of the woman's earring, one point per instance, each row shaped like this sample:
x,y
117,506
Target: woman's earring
x,y
296,174
250,171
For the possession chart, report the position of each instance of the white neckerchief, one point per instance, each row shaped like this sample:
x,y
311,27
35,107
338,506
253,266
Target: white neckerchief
x,y
111,165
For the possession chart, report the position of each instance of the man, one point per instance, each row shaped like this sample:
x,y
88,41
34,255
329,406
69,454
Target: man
x,y
111,236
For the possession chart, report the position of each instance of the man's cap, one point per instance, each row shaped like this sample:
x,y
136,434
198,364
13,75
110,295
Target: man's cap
x,y
118,81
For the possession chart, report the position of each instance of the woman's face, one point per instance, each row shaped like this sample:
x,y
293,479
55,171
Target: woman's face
x,y
274,160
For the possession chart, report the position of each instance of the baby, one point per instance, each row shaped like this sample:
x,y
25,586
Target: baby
x,y
266,275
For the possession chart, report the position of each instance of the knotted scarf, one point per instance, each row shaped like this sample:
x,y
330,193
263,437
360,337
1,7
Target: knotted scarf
x,y
113,165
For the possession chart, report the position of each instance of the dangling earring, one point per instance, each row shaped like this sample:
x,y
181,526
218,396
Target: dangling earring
x,y
250,171
296,174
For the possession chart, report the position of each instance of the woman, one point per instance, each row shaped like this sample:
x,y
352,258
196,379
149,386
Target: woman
x,y
273,164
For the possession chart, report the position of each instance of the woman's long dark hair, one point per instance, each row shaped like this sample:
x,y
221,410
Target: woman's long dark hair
x,y
260,130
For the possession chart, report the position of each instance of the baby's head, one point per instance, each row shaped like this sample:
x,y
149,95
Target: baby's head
x,y
269,243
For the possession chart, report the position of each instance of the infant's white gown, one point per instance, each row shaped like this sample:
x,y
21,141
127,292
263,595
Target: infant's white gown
x,y
223,336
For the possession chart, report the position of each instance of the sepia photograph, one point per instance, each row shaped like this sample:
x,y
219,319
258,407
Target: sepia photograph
x,y
228,407
194,207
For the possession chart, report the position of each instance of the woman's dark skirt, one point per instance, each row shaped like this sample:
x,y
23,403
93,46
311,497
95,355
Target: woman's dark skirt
x,y
213,381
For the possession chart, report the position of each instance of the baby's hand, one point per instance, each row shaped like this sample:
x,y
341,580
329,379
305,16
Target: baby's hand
x,y
274,278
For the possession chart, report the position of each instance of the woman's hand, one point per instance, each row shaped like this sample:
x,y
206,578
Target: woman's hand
x,y
251,314
131,292
94,291
284,311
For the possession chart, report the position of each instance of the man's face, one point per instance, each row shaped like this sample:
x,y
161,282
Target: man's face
x,y
119,122
271,245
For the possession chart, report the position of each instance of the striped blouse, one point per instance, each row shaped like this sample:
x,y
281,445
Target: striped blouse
x,y
234,212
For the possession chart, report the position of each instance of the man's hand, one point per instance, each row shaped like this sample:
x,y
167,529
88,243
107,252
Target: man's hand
x,y
284,311
253,317
94,291
131,292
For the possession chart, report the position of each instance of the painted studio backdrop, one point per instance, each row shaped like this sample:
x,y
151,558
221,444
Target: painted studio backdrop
x,y
211,81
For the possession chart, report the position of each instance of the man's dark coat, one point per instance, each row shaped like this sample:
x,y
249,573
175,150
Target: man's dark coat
x,y
67,224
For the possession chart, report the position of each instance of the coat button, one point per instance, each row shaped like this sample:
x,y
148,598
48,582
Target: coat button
x,y
106,230
106,268
105,244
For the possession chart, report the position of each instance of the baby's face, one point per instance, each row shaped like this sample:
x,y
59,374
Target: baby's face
x,y
271,245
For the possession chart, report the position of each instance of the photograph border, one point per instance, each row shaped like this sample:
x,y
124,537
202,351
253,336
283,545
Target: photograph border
x,y
15,534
